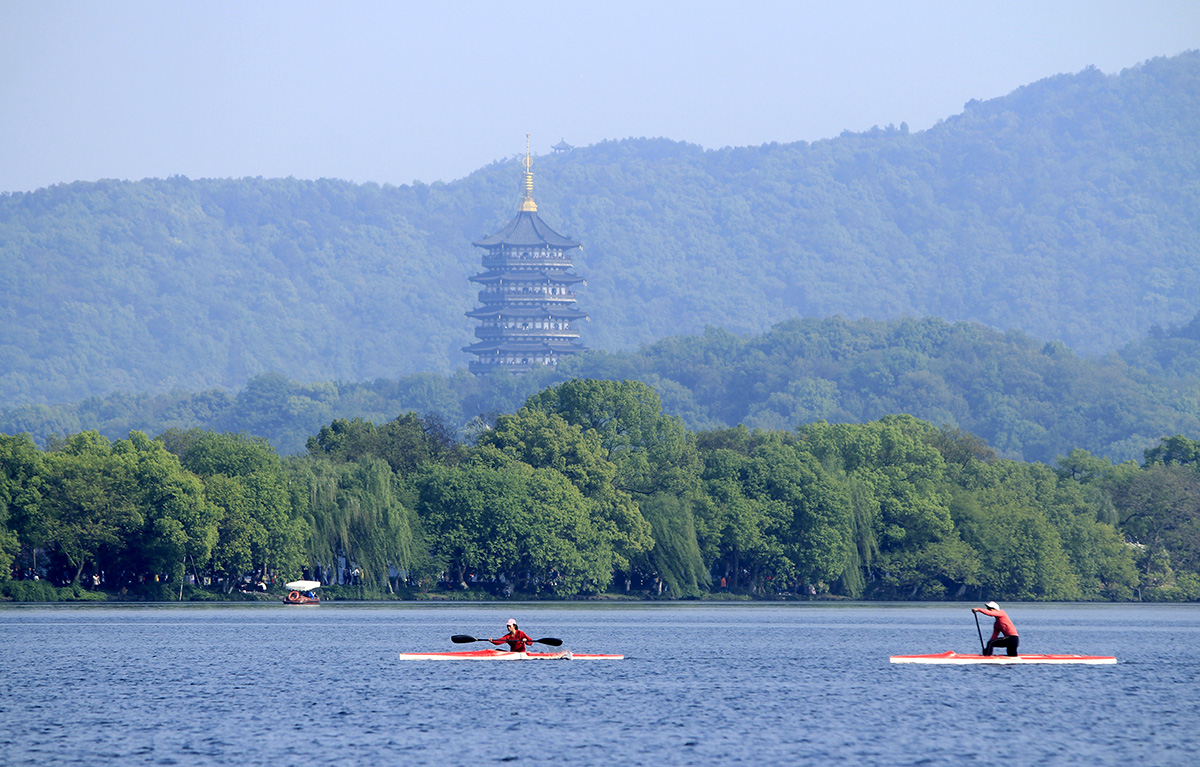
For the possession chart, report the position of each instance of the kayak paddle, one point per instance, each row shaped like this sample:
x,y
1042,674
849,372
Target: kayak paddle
x,y
464,638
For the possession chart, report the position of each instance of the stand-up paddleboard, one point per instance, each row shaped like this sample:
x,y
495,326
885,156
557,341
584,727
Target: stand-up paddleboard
x,y
505,655
955,659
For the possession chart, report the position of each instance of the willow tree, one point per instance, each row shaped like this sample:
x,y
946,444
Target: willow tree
x,y
675,560
899,480
358,519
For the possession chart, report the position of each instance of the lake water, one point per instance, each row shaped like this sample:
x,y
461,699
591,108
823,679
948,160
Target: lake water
x,y
703,684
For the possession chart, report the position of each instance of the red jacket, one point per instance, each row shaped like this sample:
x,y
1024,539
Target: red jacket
x,y
1002,625
516,642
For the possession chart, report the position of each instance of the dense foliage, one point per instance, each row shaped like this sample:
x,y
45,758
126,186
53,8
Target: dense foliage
x,y
591,488
1067,210
1028,399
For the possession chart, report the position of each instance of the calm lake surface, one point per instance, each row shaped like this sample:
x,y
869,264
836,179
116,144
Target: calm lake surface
x,y
703,684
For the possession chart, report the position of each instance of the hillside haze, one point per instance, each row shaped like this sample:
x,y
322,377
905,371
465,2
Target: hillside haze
x,y
1067,210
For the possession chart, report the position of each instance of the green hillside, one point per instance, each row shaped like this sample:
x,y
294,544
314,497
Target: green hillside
x,y
1069,210
1028,399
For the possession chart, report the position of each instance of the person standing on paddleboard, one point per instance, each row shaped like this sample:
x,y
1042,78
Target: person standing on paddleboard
x,y
1002,626
516,639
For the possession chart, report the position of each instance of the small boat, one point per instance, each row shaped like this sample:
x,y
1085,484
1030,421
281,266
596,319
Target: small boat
x,y
505,655
302,593
955,659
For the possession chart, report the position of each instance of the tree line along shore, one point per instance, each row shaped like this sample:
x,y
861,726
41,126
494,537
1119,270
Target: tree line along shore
x,y
590,491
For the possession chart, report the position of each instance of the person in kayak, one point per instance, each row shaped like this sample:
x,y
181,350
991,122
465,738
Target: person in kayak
x,y
1003,628
516,639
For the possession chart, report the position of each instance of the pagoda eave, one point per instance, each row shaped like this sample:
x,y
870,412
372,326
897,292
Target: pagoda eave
x,y
527,229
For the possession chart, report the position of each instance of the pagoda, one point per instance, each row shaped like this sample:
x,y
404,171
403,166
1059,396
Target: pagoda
x,y
529,313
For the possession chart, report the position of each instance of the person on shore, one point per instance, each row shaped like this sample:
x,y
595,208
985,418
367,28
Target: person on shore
x,y
1004,633
516,639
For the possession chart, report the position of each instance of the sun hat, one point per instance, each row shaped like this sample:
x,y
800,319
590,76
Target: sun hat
x,y
511,622
992,606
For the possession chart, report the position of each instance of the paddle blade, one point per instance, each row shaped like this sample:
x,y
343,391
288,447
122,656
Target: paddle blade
x,y
463,639
550,641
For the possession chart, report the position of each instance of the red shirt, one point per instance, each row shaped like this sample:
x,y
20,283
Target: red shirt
x,y
516,642
1002,625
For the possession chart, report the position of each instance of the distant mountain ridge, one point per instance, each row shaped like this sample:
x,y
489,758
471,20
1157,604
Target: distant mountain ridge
x,y
1069,209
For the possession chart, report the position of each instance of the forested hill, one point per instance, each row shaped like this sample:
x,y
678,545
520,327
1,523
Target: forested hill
x,y
1069,209
1026,398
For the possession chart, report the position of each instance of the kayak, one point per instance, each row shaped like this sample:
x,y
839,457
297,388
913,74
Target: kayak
x,y
505,655
956,659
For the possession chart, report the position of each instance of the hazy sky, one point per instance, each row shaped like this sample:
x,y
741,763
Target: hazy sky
x,y
397,91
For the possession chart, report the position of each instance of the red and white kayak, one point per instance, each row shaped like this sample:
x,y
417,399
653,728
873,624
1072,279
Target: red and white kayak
x,y
955,659
505,655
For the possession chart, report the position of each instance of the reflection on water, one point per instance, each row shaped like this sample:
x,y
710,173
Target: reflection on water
x,y
703,683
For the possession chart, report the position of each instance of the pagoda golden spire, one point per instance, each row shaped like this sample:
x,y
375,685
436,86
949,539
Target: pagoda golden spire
x,y
527,204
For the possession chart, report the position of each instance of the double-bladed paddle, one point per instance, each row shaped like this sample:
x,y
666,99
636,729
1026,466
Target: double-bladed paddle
x,y
464,638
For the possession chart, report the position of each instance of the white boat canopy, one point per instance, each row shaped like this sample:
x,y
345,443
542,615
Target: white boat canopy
x,y
302,585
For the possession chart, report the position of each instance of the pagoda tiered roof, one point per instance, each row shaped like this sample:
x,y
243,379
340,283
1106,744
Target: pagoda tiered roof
x,y
527,348
524,311
527,229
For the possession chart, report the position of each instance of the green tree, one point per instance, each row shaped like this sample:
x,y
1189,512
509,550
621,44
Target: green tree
x,y
497,518
259,530
406,443
241,538
180,524
772,512
90,499
20,495
547,441
1159,510
651,450
1038,534
206,453
1082,466
1023,558
1174,451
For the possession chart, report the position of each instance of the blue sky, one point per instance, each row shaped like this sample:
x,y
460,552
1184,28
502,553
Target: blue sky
x,y
394,91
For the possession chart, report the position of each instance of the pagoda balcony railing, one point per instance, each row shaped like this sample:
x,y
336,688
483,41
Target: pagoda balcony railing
x,y
524,334
542,288
508,365
493,261
533,299
530,325
501,301
526,253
